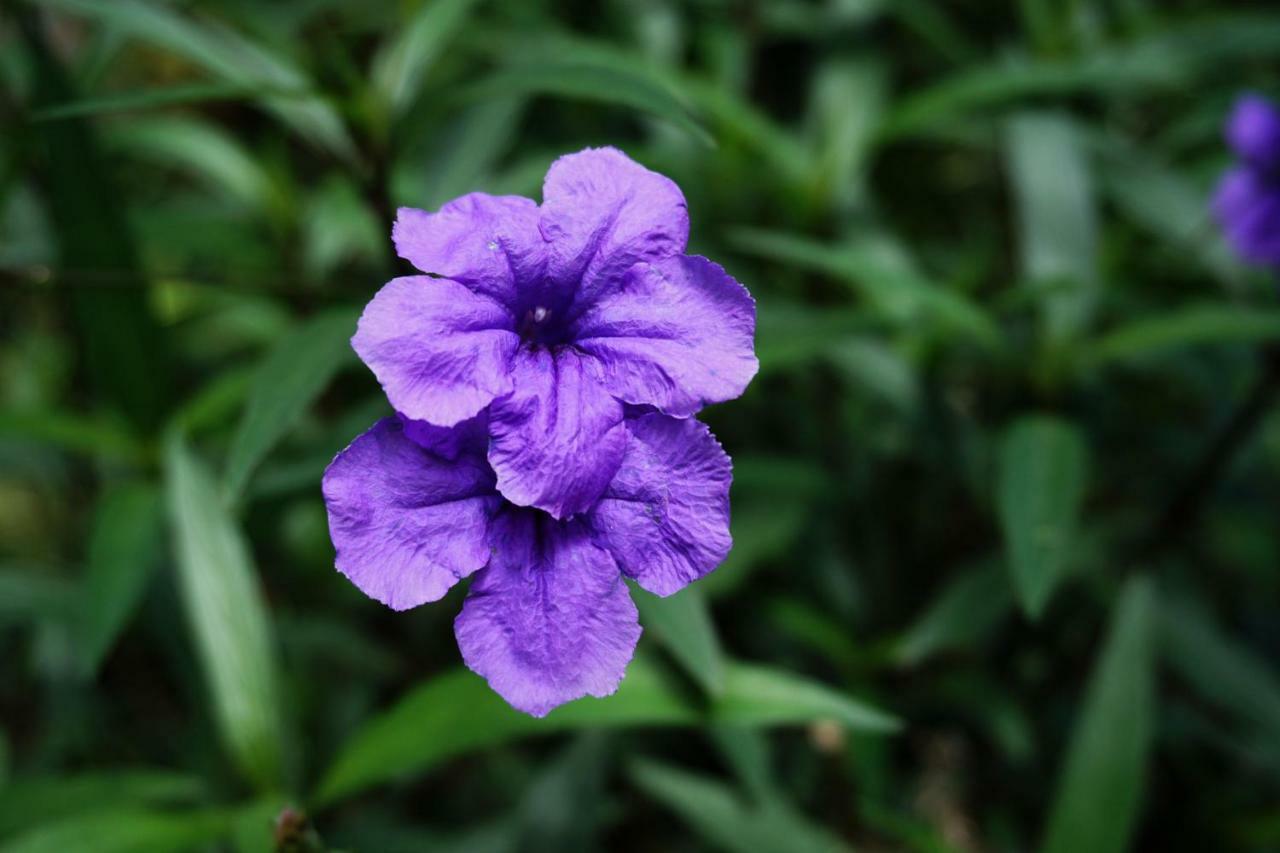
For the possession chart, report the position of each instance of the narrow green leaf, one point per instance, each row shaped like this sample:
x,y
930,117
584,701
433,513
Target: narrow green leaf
x,y
293,374
94,436
28,803
961,614
229,55
880,274
1100,790
683,624
1192,325
729,821
124,548
198,148
760,696
146,99
124,831
227,616
1165,203
846,104
593,81
124,347
1223,671
403,62
456,713
1042,478
1053,187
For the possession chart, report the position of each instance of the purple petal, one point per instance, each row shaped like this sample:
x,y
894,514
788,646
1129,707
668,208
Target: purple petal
x,y
489,243
665,516
557,440
406,524
1247,204
470,436
677,335
601,213
1253,131
441,352
550,619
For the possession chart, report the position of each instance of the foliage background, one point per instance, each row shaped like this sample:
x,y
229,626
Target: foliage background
x,y
1005,574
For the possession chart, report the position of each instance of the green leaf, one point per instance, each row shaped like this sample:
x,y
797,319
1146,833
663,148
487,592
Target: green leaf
x,y
1052,183
28,594
124,547
456,713
1101,787
1223,671
760,696
966,610
144,100
403,62
30,802
880,274
124,831
227,616
1165,203
293,374
229,55
847,101
94,436
589,80
791,335
198,148
683,624
123,345
1188,326
729,821
1042,478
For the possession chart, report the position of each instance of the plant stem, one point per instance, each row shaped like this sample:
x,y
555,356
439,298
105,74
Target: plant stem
x,y
1184,508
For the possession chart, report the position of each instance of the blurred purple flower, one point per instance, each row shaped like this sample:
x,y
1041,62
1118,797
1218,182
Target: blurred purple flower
x,y
548,617
1247,201
544,321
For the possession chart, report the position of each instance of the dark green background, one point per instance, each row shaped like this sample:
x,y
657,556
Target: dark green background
x,y
1007,486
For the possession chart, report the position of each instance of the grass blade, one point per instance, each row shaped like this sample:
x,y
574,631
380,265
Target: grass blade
x,y
227,616
124,549
291,377
1101,786
683,624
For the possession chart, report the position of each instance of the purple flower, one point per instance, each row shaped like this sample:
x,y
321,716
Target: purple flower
x,y
1247,202
548,617
538,325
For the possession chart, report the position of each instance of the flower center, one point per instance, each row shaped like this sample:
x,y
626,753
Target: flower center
x,y
538,327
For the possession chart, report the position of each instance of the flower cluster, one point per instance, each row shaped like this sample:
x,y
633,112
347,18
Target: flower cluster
x,y
544,371
1247,203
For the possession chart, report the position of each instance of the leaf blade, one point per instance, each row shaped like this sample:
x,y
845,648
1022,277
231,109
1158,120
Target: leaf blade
x,y
291,376
1042,479
1101,786
227,616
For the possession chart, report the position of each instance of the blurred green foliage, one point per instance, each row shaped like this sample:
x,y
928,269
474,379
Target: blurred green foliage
x,y
1006,572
